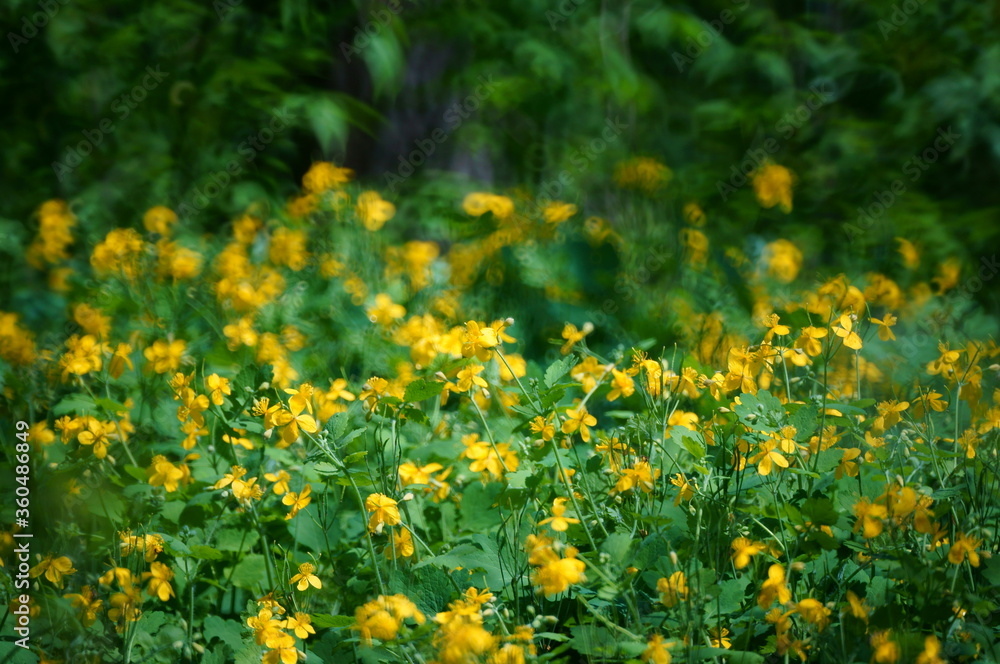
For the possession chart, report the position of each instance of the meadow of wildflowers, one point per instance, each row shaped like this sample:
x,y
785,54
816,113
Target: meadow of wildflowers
x,y
317,435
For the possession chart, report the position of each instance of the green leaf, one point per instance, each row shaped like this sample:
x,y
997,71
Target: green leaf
x,y
250,572
230,539
422,389
229,632
557,370
205,552
732,594
485,564
617,546
336,426
111,406
79,404
137,473
821,511
594,641
325,620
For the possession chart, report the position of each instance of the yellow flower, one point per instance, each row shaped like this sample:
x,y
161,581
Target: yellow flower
x,y
281,655
773,186
884,649
384,512
544,427
292,421
768,457
159,576
573,336
579,420
931,653
400,546
783,260
487,460
410,473
641,475
964,546
558,574
885,327
656,651
373,211
845,330
478,340
163,473
382,617
159,219
672,589
217,387
96,434
774,588
643,173
814,612
297,501
718,637
280,479
120,360
86,605
557,521
301,625
556,212
869,517
847,464
323,176
927,402
621,385
685,488
306,578
54,569
744,549
164,356
385,311
857,607
477,204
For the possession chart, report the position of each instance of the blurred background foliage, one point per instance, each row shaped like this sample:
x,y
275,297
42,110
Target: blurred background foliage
x,y
849,92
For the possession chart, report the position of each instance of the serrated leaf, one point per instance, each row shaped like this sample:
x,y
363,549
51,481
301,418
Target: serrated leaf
x,y
557,370
821,511
422,389
78,404
229,632
337,425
